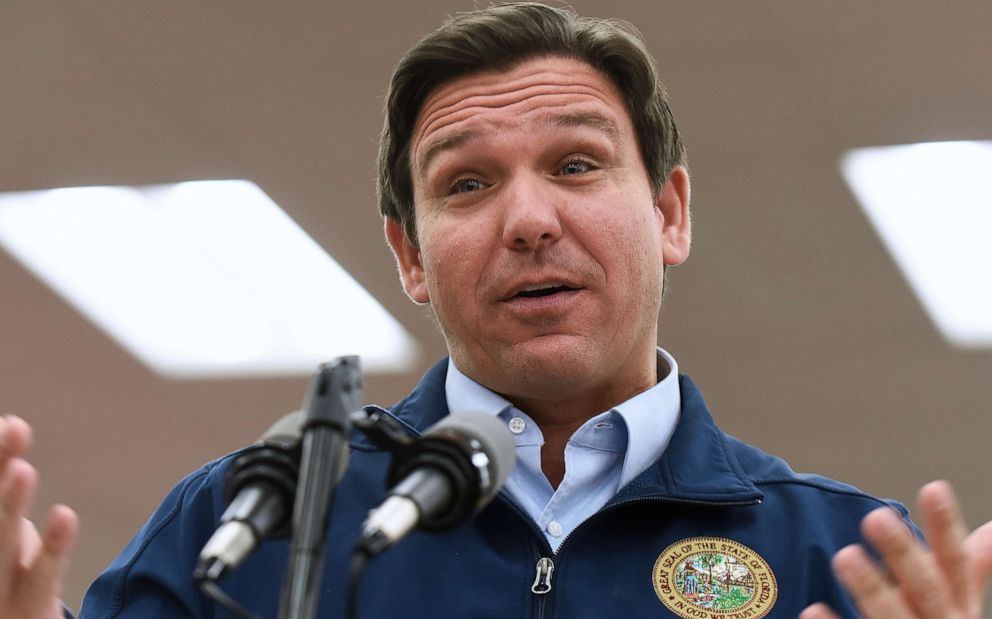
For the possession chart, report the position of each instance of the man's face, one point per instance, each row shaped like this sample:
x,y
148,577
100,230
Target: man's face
x,y
541,241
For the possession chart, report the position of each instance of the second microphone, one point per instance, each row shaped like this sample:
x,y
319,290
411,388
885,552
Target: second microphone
x,y
442,479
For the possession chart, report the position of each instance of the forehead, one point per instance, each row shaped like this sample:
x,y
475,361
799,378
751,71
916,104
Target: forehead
x,y
541,88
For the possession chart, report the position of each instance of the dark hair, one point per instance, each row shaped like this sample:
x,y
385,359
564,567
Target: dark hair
x,y
498,38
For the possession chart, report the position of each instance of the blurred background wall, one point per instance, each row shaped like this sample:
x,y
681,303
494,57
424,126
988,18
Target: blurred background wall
x,y
790,314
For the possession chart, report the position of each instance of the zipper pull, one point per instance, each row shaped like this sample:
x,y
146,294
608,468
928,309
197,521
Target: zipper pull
x,y
542,581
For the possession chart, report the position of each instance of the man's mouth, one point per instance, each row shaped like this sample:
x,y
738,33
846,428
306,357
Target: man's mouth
x,y
543,290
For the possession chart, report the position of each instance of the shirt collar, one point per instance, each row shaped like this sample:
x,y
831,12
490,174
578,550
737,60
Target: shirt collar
x,y
464,394
650,416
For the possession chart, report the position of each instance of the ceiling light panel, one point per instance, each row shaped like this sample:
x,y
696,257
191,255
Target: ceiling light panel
x,y
200,279
931,204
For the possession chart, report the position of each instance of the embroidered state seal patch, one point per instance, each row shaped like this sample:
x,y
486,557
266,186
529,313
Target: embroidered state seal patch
x,y
714,578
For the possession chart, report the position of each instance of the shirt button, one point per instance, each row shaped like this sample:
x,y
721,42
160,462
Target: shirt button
x,y
517,425
554,528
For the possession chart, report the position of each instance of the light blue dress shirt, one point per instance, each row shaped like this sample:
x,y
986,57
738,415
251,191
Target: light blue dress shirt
x,y
602,456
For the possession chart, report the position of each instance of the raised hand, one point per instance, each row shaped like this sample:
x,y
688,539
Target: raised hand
x,y
31,563
946,581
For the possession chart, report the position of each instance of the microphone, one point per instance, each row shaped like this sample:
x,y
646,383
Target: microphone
x,y
260,486
441,479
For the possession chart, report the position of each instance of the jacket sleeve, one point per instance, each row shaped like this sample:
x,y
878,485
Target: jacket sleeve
x,y
152,577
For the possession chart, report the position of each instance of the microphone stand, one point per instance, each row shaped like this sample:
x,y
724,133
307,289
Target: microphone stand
x,y
335,392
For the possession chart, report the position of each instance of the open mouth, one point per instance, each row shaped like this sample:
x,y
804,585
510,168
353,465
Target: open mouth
x,y
543,291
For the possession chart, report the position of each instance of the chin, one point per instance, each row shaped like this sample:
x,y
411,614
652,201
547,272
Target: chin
x,y
552,363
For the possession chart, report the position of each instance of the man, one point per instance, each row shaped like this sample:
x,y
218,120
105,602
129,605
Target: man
x,y
534,190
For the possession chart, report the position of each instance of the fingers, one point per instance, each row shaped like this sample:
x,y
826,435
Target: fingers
x,y
818,611
17,488
914,567
978,545
943,581
42,582
30,543
15,438
17,480
31,565
874,596
946,532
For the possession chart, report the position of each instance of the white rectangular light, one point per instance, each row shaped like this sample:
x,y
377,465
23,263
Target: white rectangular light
x,y
931,204
200,279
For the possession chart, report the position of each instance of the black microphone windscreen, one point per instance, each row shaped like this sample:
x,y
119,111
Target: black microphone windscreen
x,y
494,439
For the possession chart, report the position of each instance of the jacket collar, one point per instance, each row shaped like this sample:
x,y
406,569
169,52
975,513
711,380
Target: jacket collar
x,y
697,466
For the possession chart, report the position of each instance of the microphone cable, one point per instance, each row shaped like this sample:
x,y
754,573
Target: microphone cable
x,y
212,590
360,556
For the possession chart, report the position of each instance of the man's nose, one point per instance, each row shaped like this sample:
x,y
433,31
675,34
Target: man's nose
x,y
531,215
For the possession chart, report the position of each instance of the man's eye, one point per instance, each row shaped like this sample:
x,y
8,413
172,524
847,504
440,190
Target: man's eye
x,y
465,185
575,167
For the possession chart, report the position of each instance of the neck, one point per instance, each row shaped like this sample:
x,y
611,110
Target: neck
x,y
559,418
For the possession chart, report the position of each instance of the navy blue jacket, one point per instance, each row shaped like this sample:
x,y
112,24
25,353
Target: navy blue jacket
x,y
713,525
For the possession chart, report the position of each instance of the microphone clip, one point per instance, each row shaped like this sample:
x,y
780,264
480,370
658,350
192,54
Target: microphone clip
x,y
383,429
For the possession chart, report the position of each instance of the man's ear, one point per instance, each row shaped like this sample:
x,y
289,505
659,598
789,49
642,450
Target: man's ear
x,y
673,206
408,261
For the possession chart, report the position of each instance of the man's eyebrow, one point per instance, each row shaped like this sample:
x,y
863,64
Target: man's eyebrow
x,y
586,119
436,147
575,119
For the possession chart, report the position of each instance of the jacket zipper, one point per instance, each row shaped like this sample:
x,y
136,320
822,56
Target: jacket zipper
x,y
542,580
543,602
